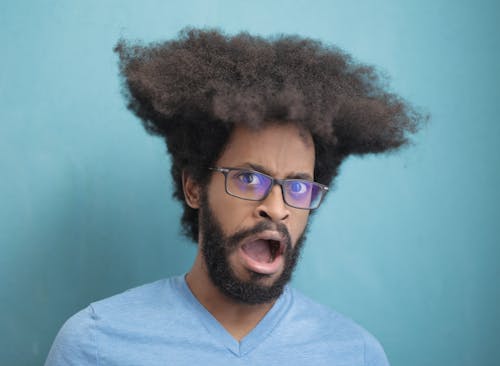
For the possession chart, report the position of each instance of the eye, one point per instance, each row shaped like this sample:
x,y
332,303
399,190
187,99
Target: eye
x,y
248,178
298,187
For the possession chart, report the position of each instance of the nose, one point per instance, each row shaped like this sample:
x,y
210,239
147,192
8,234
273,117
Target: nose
x,y
273,207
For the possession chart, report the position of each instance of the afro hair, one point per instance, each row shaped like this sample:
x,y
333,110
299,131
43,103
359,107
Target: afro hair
x,y
193,90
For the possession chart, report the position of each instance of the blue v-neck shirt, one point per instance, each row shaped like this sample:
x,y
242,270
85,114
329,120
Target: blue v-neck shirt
x,y
162,323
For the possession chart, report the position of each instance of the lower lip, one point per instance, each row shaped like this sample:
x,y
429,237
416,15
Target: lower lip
x,y
261,267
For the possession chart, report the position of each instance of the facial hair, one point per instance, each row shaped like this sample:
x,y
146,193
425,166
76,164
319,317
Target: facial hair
x,y
216,249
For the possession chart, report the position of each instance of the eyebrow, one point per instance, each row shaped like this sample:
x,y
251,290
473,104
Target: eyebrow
x,y
262,169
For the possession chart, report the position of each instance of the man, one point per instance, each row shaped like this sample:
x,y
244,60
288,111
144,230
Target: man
x,y
257,129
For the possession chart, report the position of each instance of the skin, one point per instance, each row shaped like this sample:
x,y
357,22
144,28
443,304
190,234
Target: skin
x,y
280,150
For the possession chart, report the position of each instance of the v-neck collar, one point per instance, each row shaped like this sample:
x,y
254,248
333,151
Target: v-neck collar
x,y
252,339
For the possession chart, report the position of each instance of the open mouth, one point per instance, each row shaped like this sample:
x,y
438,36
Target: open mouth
x,y
263,250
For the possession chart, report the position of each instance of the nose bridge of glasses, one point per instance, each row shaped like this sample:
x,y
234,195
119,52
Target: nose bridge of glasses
x,y
279,183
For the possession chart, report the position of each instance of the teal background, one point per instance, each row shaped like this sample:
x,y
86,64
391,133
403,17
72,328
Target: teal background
x,y
407,243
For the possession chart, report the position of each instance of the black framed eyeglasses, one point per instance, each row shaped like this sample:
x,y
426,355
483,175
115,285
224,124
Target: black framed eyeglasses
x,y
255,186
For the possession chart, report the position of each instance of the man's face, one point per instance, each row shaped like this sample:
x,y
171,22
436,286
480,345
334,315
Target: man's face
x,y
251,247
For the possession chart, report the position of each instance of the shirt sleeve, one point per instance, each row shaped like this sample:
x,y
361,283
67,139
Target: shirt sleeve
x,y
374,353
75,343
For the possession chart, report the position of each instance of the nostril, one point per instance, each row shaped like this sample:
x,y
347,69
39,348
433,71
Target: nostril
x,y
264,214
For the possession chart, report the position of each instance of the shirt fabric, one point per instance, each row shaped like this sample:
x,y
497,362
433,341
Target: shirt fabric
x,y
162,323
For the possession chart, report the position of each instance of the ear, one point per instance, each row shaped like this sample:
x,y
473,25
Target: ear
x,y
191,190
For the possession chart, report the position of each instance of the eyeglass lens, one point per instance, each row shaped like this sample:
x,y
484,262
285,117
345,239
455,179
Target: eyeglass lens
x,y
255,186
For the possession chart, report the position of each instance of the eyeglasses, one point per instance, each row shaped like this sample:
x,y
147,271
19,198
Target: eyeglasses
x,y
255,186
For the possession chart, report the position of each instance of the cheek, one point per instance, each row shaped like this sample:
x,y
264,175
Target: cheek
x,y
298,224
229,211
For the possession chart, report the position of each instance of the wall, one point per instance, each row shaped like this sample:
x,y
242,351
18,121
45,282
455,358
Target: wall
x,y
406,244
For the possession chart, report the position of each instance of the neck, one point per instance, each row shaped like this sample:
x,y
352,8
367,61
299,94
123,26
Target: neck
x,y
237,318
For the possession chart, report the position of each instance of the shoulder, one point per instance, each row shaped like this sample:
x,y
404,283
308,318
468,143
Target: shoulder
x,y
77,341
143,298
74,343
323,323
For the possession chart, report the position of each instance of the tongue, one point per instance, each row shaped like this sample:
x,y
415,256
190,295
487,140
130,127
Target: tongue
x,y
258,250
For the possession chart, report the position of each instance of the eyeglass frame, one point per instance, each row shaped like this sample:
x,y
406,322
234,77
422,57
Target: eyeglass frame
x,y
274,181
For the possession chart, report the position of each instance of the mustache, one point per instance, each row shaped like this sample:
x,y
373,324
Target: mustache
x,y
235,239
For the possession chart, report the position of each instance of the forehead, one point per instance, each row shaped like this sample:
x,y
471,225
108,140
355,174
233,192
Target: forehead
x,y
283,149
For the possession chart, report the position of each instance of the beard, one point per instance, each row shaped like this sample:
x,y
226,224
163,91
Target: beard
x,y
216,249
